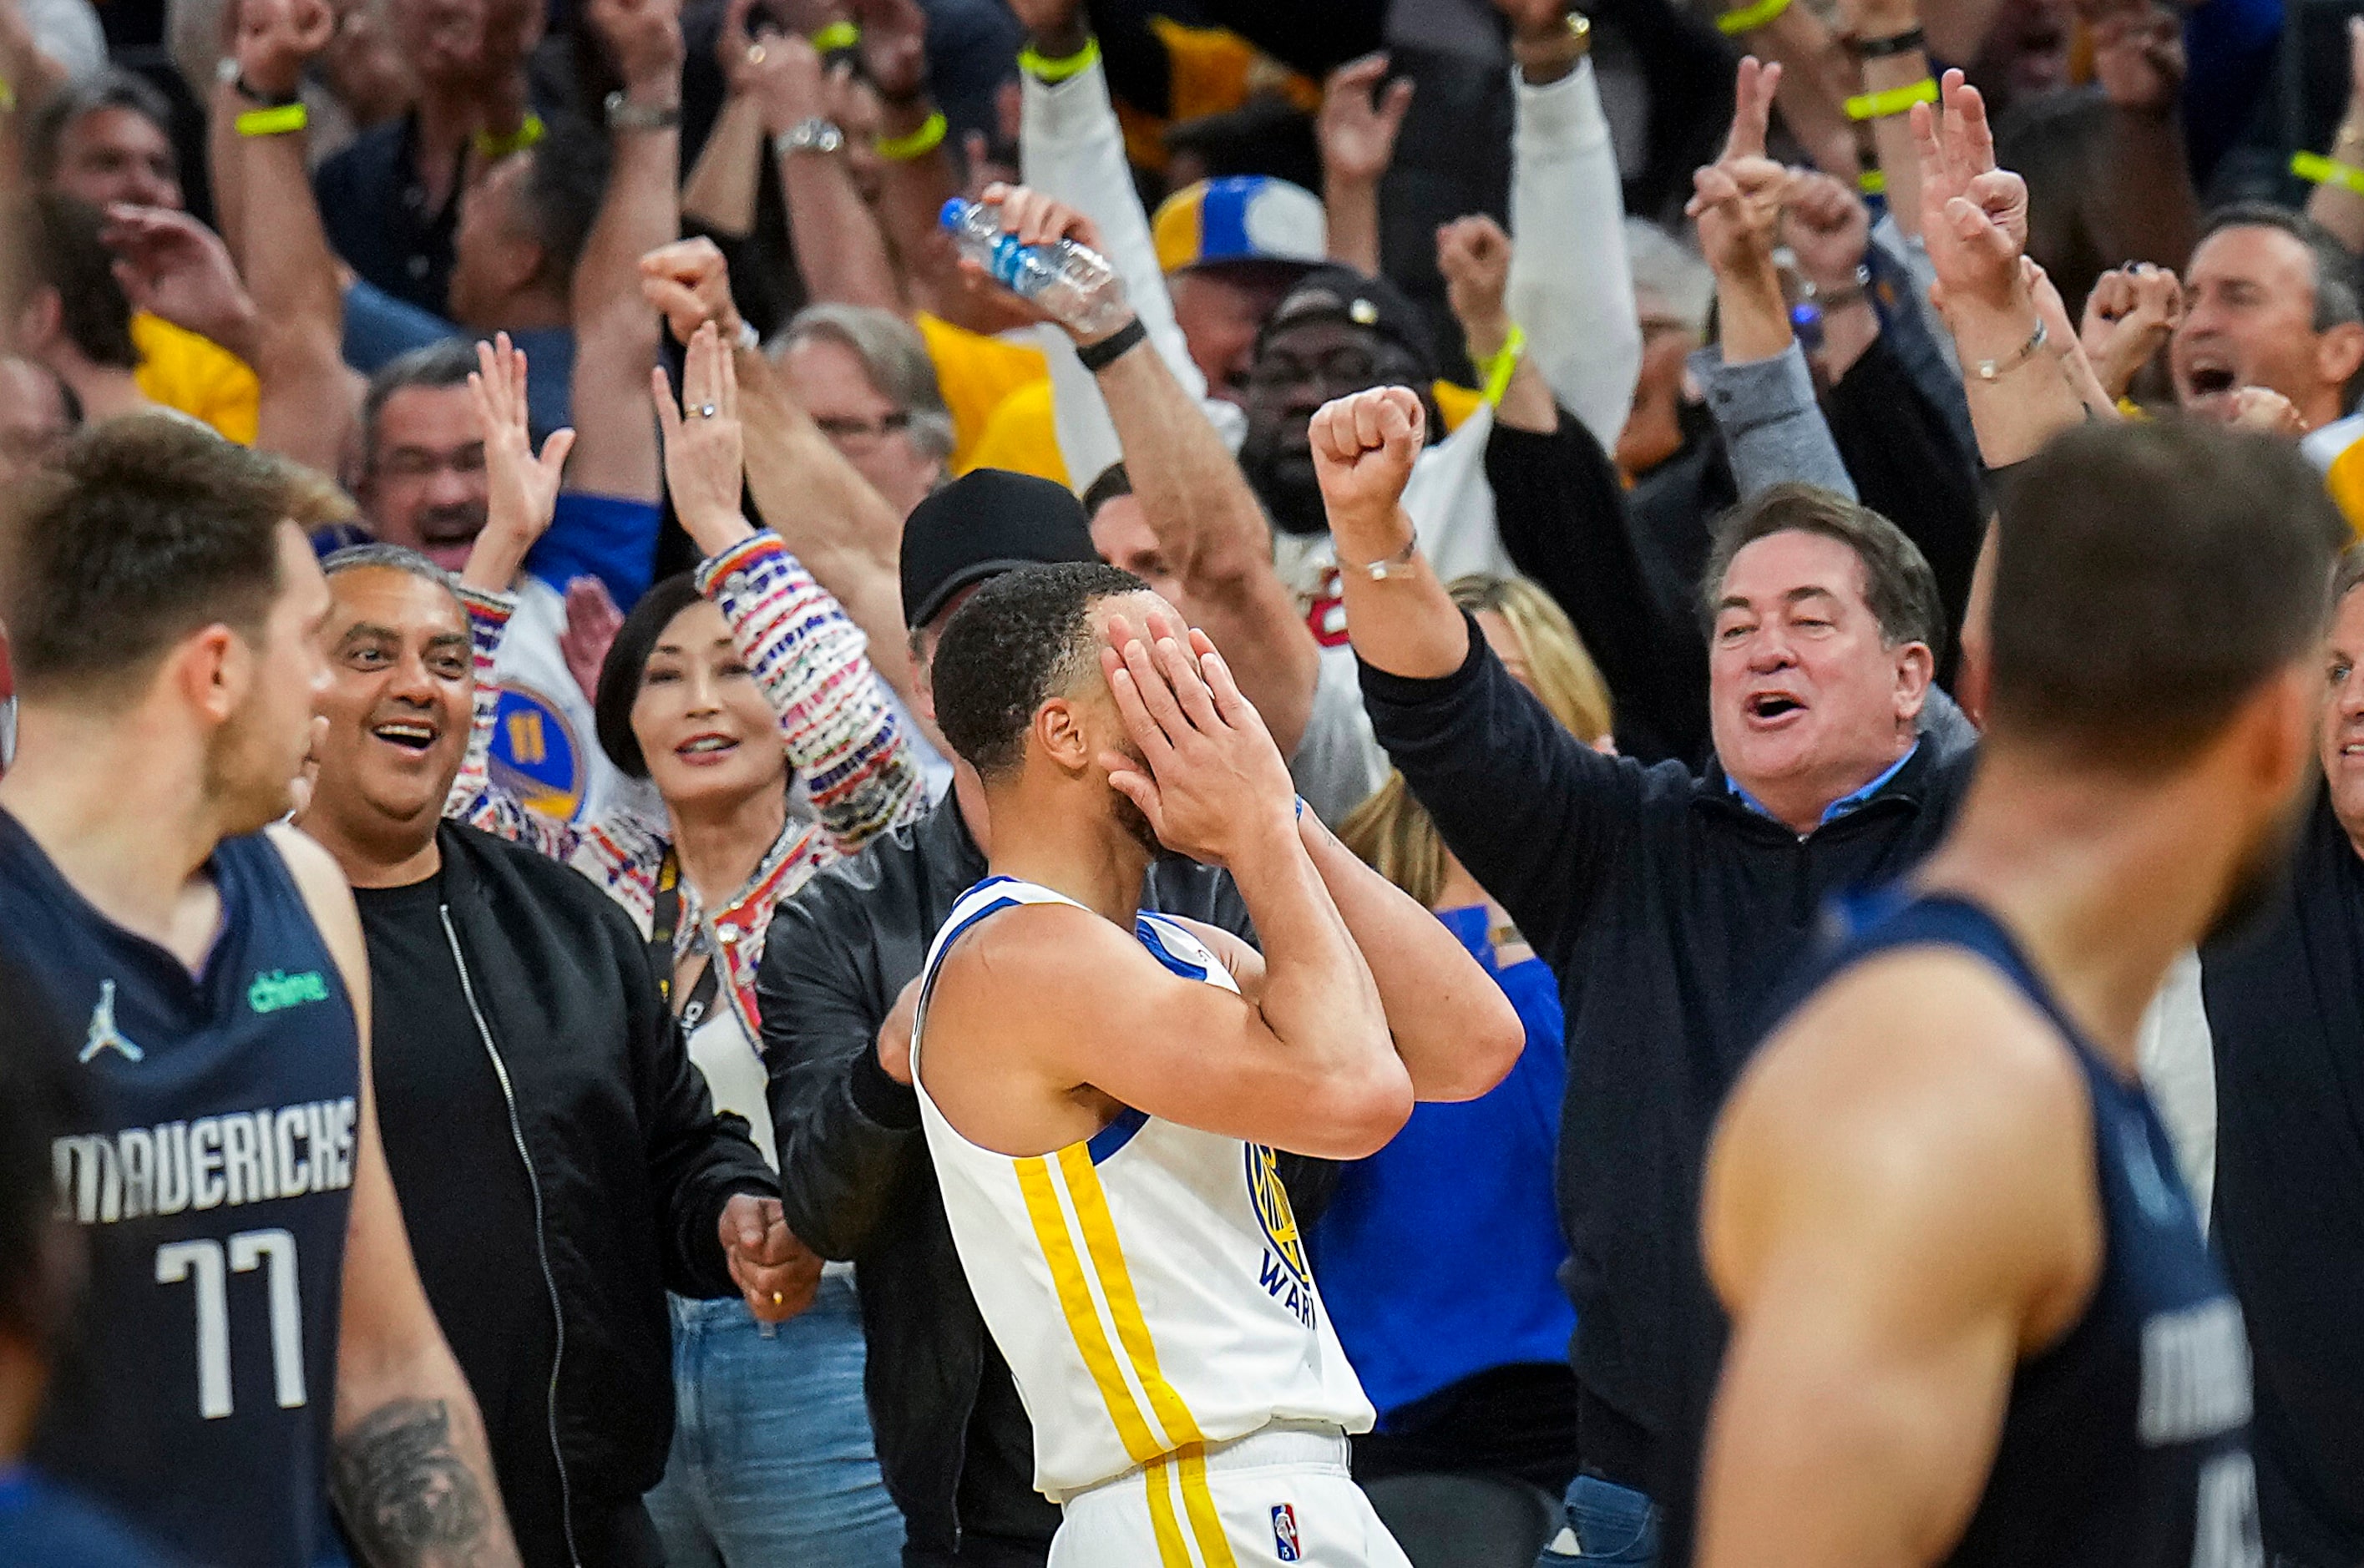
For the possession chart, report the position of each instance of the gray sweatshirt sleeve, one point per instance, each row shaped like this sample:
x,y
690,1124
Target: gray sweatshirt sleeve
x,y
1772,427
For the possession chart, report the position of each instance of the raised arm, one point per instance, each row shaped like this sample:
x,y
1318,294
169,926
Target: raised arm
x,y
1974,219
2141,205
615,331
846,535
308,396
2336,205
919,175
840,249
1759,388
408,1466
1893,1220
1893,56
839,729
1356,134
1571,286
1208,523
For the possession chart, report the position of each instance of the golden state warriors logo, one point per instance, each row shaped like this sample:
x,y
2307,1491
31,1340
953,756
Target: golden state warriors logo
x,y
535,754
1284,1274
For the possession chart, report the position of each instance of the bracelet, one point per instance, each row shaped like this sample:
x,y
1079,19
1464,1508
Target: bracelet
x,y
1906,42
1496,372
277,120
1748,18
1895,100
625,115
837,35
1389,566
491,147
919,144
1994,370
254,94
1050,72
1097,357
2318,170
7,97
1872,183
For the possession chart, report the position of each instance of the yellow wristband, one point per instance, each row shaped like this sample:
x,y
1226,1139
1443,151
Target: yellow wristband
x,y
835,36
1748,18
1872,183
1048,71
276,121
1895,100
7,97
1498,371
919,144
490,147
2318,170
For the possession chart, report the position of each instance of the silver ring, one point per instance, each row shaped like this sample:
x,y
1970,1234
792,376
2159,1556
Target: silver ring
x,y
706,410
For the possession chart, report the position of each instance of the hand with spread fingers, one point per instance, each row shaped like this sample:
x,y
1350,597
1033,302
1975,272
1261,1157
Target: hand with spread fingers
x,y
521,492
777,1273
703,445
1206,772
1973,214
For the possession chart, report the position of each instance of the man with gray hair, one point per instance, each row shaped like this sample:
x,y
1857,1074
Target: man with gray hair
x,y
865,376
555,1148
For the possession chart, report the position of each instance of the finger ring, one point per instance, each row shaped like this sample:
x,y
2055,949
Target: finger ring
x,y
706,410
755,54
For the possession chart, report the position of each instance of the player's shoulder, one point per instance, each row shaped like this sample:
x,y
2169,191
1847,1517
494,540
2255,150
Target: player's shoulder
x,y
315,870
1915,1077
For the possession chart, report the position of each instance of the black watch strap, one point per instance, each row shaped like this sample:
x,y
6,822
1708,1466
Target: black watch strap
x,y
1097,357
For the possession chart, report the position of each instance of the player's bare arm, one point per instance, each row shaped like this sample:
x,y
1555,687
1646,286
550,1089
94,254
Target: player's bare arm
x,y
1895,1218
409,1469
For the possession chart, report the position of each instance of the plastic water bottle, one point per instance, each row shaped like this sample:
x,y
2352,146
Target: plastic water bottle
x,y
1072,284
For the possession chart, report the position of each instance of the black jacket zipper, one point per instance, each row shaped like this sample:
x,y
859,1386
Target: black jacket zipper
x,y
541,1237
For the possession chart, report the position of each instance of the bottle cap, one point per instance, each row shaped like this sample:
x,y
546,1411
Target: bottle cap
x,y
954,210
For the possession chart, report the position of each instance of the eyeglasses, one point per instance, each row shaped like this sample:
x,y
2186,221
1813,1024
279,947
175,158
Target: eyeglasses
x,y
864,432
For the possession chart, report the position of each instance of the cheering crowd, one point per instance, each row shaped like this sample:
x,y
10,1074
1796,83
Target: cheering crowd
x,y
650,432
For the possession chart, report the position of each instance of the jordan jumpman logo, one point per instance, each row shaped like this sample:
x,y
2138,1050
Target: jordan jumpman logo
x,y
103,1032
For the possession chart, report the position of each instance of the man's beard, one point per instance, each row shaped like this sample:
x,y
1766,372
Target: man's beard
x,y
1135,824
1285,483
2263,874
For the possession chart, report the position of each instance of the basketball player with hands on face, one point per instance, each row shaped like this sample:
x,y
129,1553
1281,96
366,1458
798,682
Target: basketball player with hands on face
x,y
1102,1089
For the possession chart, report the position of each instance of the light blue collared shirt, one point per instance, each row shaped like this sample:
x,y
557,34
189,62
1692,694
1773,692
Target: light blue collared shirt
x,y
1836,808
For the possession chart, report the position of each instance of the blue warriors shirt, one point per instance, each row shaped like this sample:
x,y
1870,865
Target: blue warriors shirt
x,y
211,1183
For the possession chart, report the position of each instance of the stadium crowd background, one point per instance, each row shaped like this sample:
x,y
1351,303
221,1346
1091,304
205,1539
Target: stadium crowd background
x,y
291,220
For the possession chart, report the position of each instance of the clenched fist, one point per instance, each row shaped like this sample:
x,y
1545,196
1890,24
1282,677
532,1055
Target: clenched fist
x,y
1363,448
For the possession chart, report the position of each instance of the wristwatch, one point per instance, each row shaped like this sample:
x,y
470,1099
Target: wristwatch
x,y
811,134
625,115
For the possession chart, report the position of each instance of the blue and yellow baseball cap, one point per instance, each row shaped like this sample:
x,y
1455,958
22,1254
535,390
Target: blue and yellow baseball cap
x,y
1241,217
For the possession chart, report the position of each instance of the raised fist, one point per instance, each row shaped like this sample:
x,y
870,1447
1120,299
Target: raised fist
x,y
1363,448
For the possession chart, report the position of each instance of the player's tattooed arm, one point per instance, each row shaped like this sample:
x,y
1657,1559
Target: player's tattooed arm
x,y
410,1491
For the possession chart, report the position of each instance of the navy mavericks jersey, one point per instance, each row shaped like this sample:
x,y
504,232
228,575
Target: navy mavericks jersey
x,y
211,1185
2126,1441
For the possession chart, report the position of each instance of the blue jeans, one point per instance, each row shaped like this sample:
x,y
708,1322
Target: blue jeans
x,y
1604,1523
772,1464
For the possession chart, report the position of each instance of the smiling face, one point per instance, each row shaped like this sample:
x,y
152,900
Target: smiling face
x,y
861,422
427,488
1806,700
1302,367
397,706
2249,321
709,736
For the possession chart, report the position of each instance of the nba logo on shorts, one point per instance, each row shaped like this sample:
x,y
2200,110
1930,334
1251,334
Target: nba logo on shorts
x,y
1284,1532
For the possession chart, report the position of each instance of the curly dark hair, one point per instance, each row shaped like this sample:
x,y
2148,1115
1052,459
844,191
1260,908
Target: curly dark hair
x,y
1024,638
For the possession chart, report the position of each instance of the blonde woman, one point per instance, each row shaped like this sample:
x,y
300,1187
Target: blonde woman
x,y
1440,1255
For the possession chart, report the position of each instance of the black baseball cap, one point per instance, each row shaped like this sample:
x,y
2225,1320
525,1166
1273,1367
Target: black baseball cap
x,y
984,523
1343,294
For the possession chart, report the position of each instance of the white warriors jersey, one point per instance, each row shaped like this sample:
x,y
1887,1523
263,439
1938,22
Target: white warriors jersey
x,y
1148,1287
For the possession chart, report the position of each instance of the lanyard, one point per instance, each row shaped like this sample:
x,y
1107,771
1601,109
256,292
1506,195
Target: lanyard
x,y
664,923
